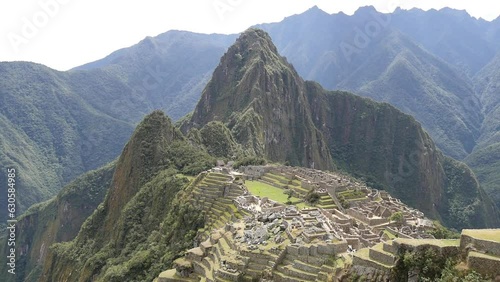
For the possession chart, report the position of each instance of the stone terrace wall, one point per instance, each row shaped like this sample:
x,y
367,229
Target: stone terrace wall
x,y
357,214
448,251
381,257
484,265
318,250
357,261
489,247
254,171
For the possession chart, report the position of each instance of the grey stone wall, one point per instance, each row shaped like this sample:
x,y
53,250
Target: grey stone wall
x,y
486,246
381,257
367,263
484,266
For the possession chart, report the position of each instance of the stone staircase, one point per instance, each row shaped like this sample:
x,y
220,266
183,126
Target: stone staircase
x,y
333,194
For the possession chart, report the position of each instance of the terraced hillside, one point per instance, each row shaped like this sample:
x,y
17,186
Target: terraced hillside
x,y
251,234
222,257
214,193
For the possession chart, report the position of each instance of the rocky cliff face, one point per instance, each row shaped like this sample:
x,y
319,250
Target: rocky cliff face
x,y
56,220
260,95
271,110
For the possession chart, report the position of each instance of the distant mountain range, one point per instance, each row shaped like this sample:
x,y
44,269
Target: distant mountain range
x,y
438,66
58,125
255,106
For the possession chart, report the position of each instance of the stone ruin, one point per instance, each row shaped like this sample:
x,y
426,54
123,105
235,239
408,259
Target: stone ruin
x,y
365,219
284,243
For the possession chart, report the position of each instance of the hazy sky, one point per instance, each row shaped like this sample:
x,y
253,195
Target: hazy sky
x,y
66,33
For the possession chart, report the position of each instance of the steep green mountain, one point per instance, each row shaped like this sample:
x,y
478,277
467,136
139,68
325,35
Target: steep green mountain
x,y
421,85
265,104
271,86
145,220
56,220
422,62
366,54
58,125
50,133
164,72
485,159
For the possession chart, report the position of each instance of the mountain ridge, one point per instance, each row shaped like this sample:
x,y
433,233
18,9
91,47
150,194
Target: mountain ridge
x,y
42,111
143,207
272,107
146,219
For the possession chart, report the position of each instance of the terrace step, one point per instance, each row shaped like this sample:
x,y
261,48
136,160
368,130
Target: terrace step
x,y
305,266
272,183
253,272
278,178
328,207
389,247
290,270
225,201
246,278
279,276
202,270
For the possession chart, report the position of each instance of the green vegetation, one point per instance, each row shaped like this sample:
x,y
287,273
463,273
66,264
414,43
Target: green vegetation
x,y
485,158
485,161
441,232
433,242
466,207
57,220
68,123
389,235
312,198
352,194
245,161
334,129
261,189
50,133
154,228
343,202
428,263
451,274
485,234
398,217
217,138
146,220
433,266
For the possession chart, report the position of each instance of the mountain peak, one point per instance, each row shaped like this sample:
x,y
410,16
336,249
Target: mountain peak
x,y
253,33
255,40
142,157
455,12
315,10
365,10
246,71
